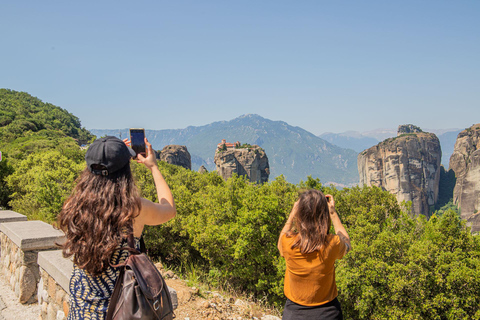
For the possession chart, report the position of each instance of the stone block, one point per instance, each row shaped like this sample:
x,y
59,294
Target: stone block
x,y
173,294
32,235
44,309
51,312
30,257
51,288
6,261
59,295
28,284
11,216
58,267
40,292
60,315
65,307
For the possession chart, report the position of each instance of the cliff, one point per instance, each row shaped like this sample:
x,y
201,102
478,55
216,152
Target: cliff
x,y
407,166
177,155
465,162
250,162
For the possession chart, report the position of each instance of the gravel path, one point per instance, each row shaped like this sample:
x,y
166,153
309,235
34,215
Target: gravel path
x,y
11,309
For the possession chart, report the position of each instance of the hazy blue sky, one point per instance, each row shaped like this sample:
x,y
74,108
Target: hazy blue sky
x,y
321,65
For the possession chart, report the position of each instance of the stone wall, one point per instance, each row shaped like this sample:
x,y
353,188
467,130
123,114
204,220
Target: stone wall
x,y
20,269
53,289
21,241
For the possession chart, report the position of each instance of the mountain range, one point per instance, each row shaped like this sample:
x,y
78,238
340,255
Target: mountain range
x,y
291,151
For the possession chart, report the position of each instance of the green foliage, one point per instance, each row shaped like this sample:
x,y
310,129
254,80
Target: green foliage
x,y
42,156
412,269
36,142
222,148
5,170
245,146
401,267
41,183
449,206
21,113
225,227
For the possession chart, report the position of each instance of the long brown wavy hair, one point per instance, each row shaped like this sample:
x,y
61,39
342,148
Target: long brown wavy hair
x,y
311,223
96,216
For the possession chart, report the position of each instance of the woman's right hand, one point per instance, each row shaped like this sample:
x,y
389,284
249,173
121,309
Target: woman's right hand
x,y
331,204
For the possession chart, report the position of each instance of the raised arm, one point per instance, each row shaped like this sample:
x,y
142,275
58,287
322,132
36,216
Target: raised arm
x,y
151,213
287,227
337,224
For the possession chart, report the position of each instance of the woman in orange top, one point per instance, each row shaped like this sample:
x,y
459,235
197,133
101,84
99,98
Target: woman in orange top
x,y
310,253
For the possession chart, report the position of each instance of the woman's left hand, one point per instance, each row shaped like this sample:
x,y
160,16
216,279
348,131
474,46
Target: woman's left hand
x,y
150,161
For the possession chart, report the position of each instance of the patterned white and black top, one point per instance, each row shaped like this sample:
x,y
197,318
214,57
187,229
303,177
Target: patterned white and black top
x,y
90,295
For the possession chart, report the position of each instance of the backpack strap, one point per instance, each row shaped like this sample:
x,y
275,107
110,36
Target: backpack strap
x,y
116,292
131,243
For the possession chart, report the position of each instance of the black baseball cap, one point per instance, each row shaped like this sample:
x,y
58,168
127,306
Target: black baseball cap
x,y
107,155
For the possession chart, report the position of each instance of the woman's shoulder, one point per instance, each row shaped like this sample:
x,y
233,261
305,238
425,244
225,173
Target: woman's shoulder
x,y
287,240
336,245
333,239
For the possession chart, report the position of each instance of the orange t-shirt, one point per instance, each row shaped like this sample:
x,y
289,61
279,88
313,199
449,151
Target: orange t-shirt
x,y
310,278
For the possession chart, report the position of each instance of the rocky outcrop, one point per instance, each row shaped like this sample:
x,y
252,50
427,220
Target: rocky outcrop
x,y
250,162
407,166
465,161
202,169
177,155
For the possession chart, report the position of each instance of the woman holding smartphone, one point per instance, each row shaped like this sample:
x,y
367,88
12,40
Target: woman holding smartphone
x,y
103,209
310,253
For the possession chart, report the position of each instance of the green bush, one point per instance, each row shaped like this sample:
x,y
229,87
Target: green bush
x,y
401,267
41,183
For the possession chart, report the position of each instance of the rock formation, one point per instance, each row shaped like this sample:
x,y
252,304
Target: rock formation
x,y
251,162
202,169
407,166
465,161
177,155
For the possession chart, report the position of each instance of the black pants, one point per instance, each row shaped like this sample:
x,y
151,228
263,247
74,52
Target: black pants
x,y
327,311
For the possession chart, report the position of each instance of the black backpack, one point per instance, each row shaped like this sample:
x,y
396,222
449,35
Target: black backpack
x,y
140,291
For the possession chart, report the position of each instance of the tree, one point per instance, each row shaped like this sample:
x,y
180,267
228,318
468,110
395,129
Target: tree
x,y
41,183
5,170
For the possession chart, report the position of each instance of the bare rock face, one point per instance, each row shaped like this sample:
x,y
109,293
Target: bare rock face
x,y
177,155
202,169
251,162
407,166
465,161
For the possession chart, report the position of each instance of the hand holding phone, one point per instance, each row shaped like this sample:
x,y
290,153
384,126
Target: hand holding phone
x,y
137,139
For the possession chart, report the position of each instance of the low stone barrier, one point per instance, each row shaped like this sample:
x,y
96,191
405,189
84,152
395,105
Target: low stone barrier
x,y
20,244
31,262
53,290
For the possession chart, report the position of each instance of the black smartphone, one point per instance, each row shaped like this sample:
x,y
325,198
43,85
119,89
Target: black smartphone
x,y
137,138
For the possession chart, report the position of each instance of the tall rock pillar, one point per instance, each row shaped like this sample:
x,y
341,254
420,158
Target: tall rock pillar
x,y
251,162
465,162
407,166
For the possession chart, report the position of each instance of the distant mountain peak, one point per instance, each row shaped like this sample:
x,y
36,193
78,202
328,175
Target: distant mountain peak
x,y
250,115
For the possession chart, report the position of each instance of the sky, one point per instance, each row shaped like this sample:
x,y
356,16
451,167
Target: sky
x,y
325,66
